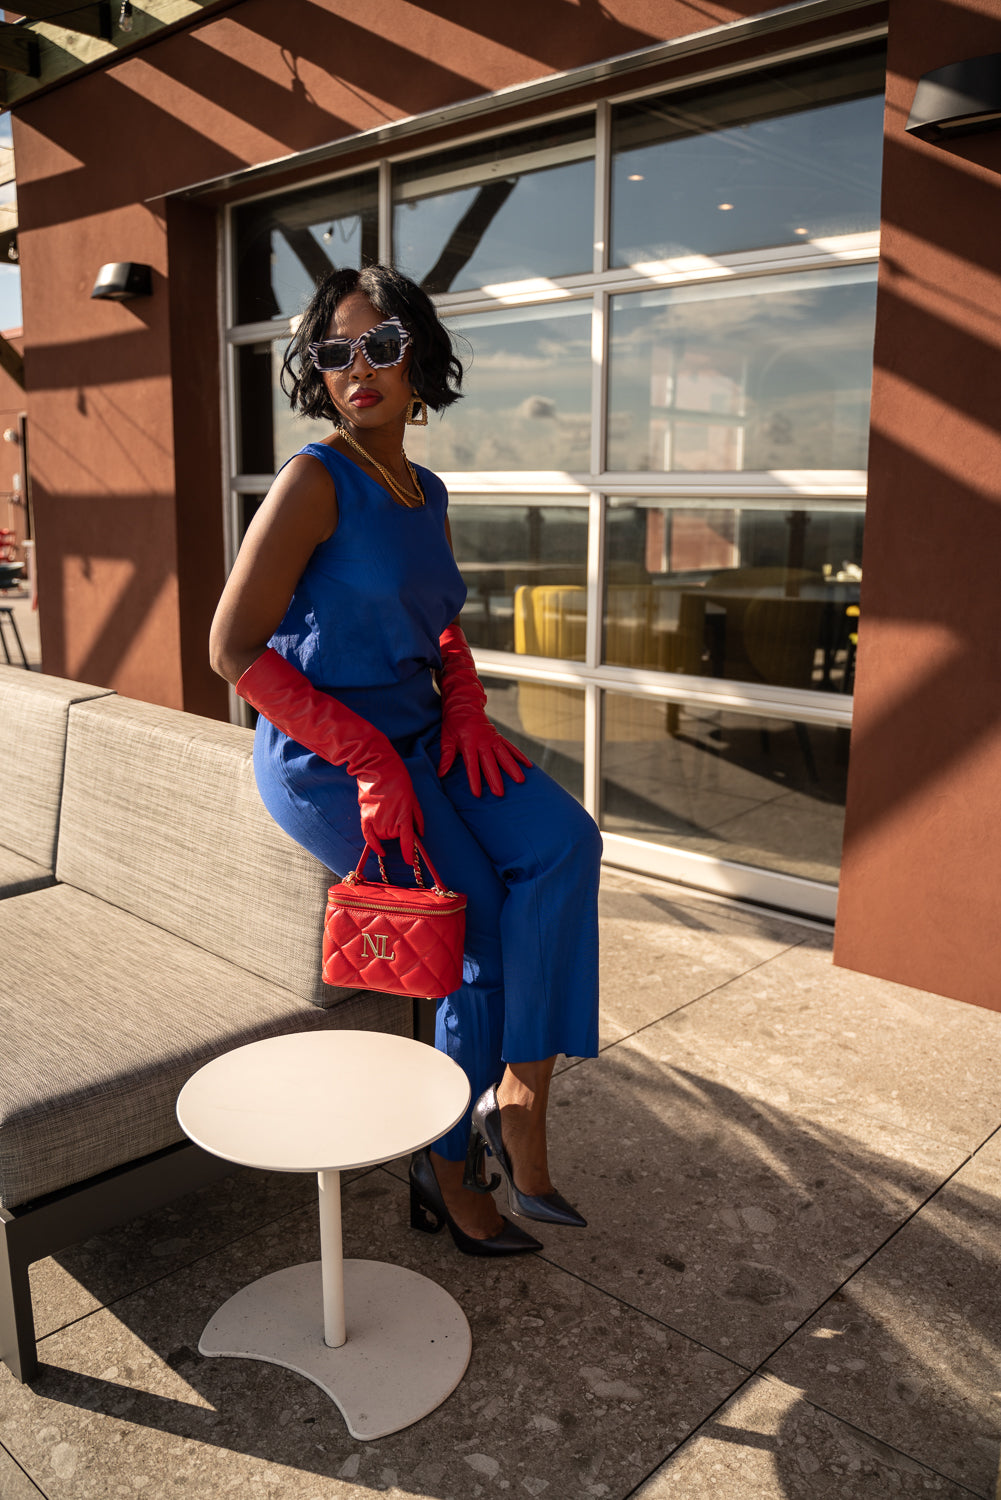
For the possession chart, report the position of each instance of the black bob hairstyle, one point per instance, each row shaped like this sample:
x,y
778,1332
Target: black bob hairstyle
x,y
435,370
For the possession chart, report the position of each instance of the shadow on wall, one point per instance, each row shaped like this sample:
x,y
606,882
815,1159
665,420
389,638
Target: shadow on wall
x,y
107,570
935,440
377,78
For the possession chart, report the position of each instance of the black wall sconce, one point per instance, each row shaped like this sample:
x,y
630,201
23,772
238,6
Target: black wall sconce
x,y
121,279
958,99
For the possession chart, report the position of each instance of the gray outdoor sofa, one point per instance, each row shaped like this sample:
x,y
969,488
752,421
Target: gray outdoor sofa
x,y
152,916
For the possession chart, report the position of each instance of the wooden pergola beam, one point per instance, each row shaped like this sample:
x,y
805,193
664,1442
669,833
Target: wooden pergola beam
x,y
92,19
82,34
18,50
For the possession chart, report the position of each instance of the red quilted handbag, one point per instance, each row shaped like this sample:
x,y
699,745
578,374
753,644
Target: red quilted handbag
x,y
402,941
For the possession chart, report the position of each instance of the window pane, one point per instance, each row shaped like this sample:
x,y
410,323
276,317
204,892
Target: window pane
x,y
769,373
764,792
768,595
513,207
546,722
248,506
518,559
284,247
774,157
269,431
527,401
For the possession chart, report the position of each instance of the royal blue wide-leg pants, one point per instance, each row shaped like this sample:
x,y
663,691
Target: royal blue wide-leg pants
x,y
528,863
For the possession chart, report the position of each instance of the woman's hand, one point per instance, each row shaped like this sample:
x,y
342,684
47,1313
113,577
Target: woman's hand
x,y
465,728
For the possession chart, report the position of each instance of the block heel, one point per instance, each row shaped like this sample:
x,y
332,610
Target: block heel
x,y
546,1208
429,1214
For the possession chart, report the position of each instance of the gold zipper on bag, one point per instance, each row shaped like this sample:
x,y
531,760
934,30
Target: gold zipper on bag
x,y
413,911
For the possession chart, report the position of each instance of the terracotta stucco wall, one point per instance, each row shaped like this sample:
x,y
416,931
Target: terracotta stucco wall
x,y
13,510
921,877
123,399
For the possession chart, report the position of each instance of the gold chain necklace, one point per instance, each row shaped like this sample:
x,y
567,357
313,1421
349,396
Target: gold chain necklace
x,y
398,490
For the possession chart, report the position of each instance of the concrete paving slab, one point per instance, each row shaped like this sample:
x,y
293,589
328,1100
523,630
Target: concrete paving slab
x,y
914,1060
14,1482
990,1151
769,1444
660,951
726,1206
569,1393
911,1347
109,1266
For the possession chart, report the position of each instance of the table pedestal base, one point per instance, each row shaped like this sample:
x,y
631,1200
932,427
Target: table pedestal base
x,y
408,1342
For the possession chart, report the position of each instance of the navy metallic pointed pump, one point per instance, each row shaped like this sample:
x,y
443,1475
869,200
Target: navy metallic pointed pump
x,y
547,1208
429,1214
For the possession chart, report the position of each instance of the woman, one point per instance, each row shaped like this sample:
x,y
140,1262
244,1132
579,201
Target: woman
x,y
337,624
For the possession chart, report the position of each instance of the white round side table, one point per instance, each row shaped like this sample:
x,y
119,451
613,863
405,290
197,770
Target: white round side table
x,y
391,1345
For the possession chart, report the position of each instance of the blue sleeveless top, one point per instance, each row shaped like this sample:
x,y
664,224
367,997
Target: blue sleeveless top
x,y
366,615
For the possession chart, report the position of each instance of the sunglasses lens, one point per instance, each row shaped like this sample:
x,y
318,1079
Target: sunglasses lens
x,y
333,355
384,346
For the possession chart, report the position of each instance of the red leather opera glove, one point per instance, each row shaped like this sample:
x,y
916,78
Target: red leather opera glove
x,y
465,727
389,806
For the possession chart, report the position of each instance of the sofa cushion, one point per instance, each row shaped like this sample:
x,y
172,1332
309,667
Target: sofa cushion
x,y
161,816
105,1018
18,874
33,713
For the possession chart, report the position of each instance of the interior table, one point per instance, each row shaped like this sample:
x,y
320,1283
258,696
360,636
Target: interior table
x,y
391,1344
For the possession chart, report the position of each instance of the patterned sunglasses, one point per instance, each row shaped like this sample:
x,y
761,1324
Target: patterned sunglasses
x,y
383,346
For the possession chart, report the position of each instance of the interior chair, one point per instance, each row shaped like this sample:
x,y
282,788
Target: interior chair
x,y
649,627
781,638
748,579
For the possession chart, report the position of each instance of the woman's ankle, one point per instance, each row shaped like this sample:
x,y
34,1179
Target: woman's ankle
x,y
475,1213
523,1097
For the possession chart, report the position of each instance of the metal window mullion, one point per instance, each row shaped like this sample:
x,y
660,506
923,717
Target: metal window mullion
x,y
595,574
385,202
599,380
261,333
757,700
602,185
516,164
592,739
592,649
226,313
228,389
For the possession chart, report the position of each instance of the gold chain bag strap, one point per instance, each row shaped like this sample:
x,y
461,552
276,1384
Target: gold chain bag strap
x,y
397,939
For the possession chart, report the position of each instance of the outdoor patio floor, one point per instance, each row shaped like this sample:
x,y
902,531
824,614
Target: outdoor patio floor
x,y
789,1286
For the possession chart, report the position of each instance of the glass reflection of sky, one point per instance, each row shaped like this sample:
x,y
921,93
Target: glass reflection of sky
x,y
544,228
816,170
762,375
527,402
291,282
291,431
10,275
10,297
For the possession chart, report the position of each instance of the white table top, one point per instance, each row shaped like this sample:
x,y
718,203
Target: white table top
x,y
321,1101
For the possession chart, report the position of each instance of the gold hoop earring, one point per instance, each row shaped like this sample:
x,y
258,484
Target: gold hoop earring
x,y
417,416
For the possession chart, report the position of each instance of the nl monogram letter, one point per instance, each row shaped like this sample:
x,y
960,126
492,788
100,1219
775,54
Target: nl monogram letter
x,y
376,945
